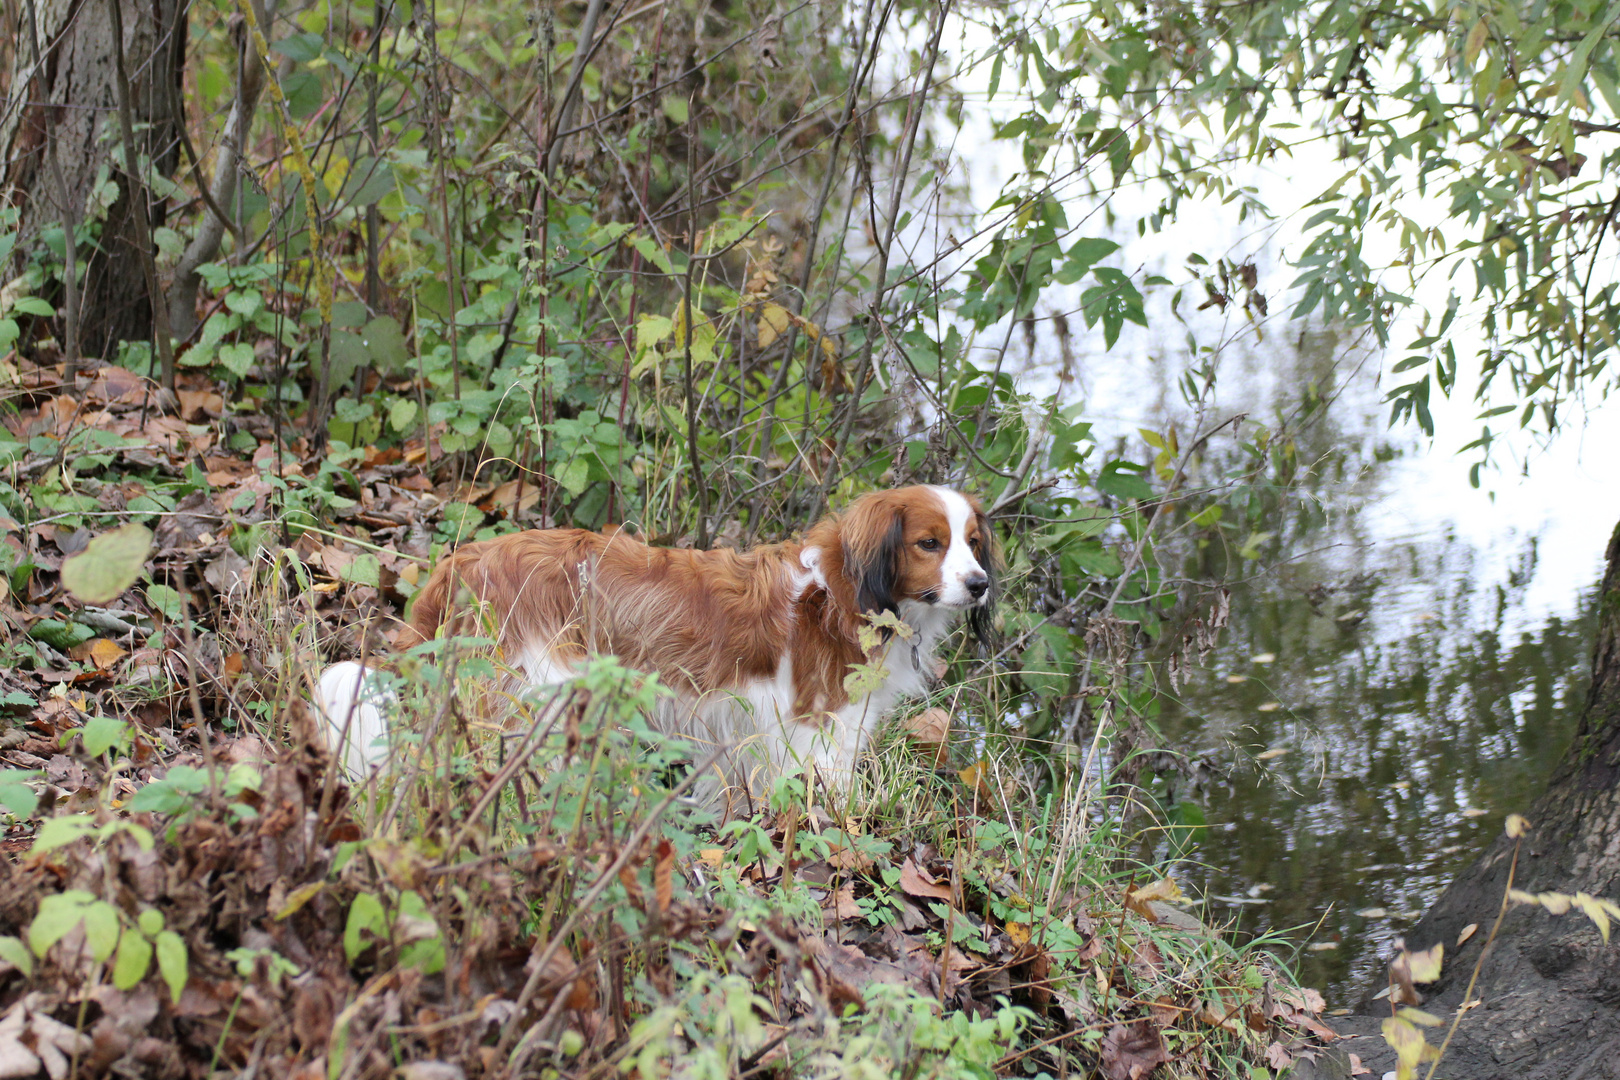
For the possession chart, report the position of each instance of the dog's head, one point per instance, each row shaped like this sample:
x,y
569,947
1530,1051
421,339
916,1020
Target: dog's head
x,y
928,545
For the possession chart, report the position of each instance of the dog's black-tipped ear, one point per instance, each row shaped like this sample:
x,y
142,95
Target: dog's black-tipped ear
x,y
873,536
982,619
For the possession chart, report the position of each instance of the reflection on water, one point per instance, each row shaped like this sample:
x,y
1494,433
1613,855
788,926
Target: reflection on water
x,y
1410,729
1376,707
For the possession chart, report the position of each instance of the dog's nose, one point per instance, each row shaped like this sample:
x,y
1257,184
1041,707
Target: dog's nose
x,y
977,583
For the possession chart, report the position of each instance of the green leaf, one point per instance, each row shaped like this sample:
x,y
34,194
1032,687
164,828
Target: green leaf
x,y
574,477
15,953
101,929
172,962
134,957
653,253
414,925
346,354
365,917
60,635
58,914
236,358
33,305
150,921
364,570
1090,557
102,733
863,679
15,794
1123,480
375,180
109,565
385,341
58,831
165,599
300,47
1083,256
676,108
245,302
402,414
651,330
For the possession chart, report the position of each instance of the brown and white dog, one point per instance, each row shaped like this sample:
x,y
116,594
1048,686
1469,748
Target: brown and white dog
x,y
755,645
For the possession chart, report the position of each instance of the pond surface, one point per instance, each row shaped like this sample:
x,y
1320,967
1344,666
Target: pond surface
x,y
1401,671
1377,718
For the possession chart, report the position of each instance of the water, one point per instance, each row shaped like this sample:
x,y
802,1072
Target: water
x,y
1397,677
1411,717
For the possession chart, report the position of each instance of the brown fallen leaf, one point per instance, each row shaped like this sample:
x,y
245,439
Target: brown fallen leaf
x,y
199,405
930,733
848,859
841,905
1278,1057
1467,932
1140,900
1223,1013
1357,1068
1304,998
1130,1053
919,882
514,497
664,876
1312,1025
1165,1012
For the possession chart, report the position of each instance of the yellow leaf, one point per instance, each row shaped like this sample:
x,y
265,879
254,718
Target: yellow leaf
x,y
336,174
298,898
1407,1042
1019,932
774,319
1425,965
104,652
1555,903
1476,42
1516,826
1164,889
1592,909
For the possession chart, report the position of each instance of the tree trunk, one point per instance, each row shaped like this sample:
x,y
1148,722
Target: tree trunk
x,y
1550,986
68,101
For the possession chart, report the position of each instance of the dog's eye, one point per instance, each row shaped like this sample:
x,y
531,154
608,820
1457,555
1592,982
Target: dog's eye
x,y
929,544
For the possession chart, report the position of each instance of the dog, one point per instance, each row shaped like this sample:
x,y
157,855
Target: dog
x,y
756,646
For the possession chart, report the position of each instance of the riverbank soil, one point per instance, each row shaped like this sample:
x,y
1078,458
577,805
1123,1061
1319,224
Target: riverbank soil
x,y
1549,990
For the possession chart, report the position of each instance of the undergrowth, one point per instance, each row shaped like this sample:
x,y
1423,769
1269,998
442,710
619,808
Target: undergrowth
x,y
542,896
